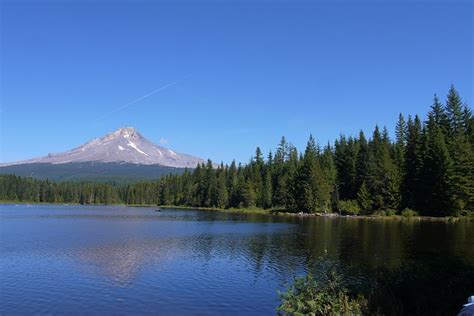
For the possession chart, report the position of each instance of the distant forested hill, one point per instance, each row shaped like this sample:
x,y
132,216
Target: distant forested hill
x,y
91,171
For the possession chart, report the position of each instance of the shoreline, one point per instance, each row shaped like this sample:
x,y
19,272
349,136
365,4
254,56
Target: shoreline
x,y
270,212
327,215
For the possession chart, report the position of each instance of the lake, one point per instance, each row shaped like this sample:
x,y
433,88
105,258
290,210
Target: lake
x,y
128,260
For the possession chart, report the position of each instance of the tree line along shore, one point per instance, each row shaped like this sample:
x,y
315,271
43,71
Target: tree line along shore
x,y
427,170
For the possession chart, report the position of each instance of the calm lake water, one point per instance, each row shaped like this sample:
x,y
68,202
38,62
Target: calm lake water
x,y
124,260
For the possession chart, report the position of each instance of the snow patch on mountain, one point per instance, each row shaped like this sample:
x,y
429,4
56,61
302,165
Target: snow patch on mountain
x,y
134,146
171,152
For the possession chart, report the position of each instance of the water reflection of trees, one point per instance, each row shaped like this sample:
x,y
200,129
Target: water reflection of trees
x,y
282,247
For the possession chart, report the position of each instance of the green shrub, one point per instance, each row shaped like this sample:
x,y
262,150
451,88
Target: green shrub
x,y
390,212
350,207
407,212
306,296
379,213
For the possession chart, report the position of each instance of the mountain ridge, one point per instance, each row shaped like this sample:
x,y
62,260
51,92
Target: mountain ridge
x,y
125,145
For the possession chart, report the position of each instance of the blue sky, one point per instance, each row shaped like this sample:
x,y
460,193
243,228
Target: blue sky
x,y
236,74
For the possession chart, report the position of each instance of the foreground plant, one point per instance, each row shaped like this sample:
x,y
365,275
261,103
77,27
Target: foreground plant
x,y
308,296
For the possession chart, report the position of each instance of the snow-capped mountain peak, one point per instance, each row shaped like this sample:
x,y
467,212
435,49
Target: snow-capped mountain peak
x,y
123,145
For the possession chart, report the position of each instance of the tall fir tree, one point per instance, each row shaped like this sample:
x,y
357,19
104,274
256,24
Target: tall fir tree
x,y
306,179
454,112
462,152
400,143
438,173
411,182
222,197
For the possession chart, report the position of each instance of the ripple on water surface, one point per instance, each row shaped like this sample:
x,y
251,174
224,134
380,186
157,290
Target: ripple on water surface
x,y
120,260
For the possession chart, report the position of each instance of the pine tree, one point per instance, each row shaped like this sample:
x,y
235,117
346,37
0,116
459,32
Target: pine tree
x,y
306,179
312,191
454,111
383,176
266,201
222,194
248,195
256,175
345,160
438,172
290,196
463,175
401,135
209,185
324,189
468,122
364,199
461,152
282,153
280,174
259,157
362,161
439,115
412,196
232,185
329,169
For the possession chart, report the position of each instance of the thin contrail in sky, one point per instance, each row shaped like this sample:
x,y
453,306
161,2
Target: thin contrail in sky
x,y
166,86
